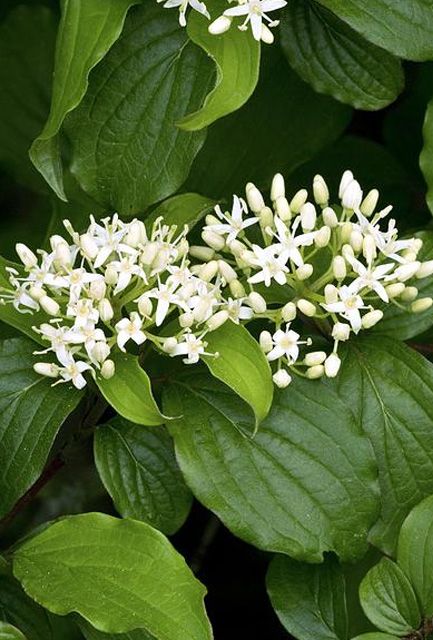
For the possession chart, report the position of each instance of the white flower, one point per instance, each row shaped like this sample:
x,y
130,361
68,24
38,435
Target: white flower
x,y
369,277
84,312
237,311
126,268
20,296
289,243
77,279
234,222
255,12
88,335
192,347
286,343
183,6
166,295
348,307
272,266
72,371
204,302
130,329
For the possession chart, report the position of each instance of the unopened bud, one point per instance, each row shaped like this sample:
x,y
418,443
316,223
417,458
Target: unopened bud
x,y
409,294
346,179
209,270
421,305
105,309
339,267
407,271
282,208
100,352
186,320
237,289
352,196
254,198
88,246
49,305
347,252
213,240
37,292
306,307
145,306
226,271
345,232
266,35
322,237
331,294
149,253
26,255
371,318
288,312
211,220
108,369
169,345
266,217
369,249
314,358
320,190
308,216
220,25
341,331
111,276
217,320
278,189
356,241
98,289
237,247
62,254
395,290
329,217
282,378
313,373
332,365
298,200
425,270
369,204
304,272
202,253
257,302
46,369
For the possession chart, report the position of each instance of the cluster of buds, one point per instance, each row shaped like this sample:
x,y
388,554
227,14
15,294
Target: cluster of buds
x,y
116,283
253,12
333,267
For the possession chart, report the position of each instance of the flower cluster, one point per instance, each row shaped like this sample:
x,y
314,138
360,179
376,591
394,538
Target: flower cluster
x,y
116,283
334,267
253,12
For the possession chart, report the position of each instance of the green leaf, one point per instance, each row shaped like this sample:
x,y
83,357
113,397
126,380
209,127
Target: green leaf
x,y
27,38
309,600
89,27
288,123
335,60
128,152
8,632
139,578
389,389
187,208
90,633
31,413
388,599
426,157
403,325
17,609
415,552
303,485
375,636
139,471
237,58
401,27
129,391
242,365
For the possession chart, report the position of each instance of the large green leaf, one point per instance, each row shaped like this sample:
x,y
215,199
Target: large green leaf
x,y
303,485
242,365
335,60
119,575
415,552
127,150
309,600
288,123
375,636
87,30
139,470
129,391
31,413
237,57
17,609
389,388
8,632
388,599
402,27
426,157
27,38
187,208
90,633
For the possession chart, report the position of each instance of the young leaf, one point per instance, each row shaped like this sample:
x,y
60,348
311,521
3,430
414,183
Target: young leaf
x,y
335,60
309,600
128,152
31,413
303,485
242,366
389,388
237,58
401,27
89,27
141,581
415,555
426,157
129,391
388,599
187,208
8,632
139,471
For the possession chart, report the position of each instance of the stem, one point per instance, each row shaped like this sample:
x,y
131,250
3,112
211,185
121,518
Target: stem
x,y
210,531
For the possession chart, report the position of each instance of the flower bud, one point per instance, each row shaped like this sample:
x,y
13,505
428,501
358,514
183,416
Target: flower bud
x,y
254,198
111,276
278,189
298,200
237,289
26,255
186,320
100,352
346,232
329,217
425,270
208,270
332,365
257,302
282,378
407,271
308,216
62,254
369,204
46,369
282,208
331,293
314,358
313,373
346,179
36,292
421,305
339,267
213,240
347,252
162,260
202,253
304,272
409,294
236,247
306,307
105,309
356,241
371,318
266,217
169,345
341,331
108,369
266,36
352,196
395,290
417,244
409,255
369,249
49,305
288,312
88,246
145,306
320,190
210,219
149,253
98,289
226,271
217,320
265,341
322,237
220,25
